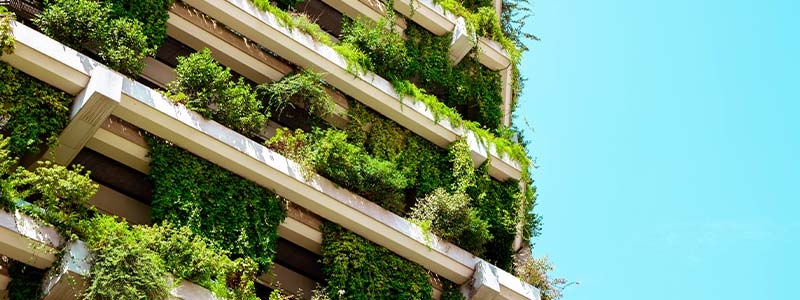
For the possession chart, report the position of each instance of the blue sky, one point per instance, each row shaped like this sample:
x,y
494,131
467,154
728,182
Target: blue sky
x,y
666,135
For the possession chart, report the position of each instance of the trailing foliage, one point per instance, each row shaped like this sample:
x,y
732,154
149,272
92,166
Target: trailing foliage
x,y
483,21
206,87
210,200
358,269
451,291
32,112
6,39
328,153
386,51
304,88
499,204
120,41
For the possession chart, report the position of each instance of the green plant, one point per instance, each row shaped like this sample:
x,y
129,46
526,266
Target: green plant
x,y
386,51
152,14
206,87
193,192
330,155
122,38
450,291
358,269
6,39
304,88
122,267
453,219
535,272
33,112
123,46
500,204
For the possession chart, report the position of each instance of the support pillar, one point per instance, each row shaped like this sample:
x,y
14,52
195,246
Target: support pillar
x,y
89,110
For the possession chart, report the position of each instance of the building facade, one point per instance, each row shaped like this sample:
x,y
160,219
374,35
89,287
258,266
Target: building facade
x,y
365,114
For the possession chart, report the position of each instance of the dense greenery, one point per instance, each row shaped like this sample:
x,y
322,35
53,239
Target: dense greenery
x,y
208,88
6,39
303,88
358,269
328,153
122,33
32,113
127,262
211,201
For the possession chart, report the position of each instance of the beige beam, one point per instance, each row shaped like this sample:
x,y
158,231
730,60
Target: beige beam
x,y
27,240
90,108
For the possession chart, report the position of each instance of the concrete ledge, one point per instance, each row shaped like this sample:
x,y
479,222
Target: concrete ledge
x,y
373,10
461,42
427,14
68,281
492,55
27,240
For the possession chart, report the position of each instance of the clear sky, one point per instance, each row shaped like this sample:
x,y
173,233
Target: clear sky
x,y
667,136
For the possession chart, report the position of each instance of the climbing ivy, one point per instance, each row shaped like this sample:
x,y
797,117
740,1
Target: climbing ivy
x,y
189,191
358,269
32,113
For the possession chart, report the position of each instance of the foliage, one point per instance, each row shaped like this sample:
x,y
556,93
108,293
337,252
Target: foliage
x,y
152,14
483,21
328,153
304,88
26,281
358,269
386,51
121,42
535,272
6,39
451,291
122,266
206,87
295,21
451,218
123,46
32,113
498,203
193,192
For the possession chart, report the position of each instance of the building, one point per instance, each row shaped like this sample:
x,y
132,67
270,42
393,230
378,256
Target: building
x,y
108,119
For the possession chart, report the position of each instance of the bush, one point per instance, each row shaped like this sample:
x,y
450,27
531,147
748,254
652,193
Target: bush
x,y
304,88
450,216
206,87
328,153
121,40
535,272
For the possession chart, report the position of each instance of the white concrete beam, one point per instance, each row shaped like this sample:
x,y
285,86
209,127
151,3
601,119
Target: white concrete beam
x,y
427,14
492,55
89,110
373,10
506,79
68,281
27,240
461,43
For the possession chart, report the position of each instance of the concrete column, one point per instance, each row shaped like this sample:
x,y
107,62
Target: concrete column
x,y
484,285
89,110
462,42
69,280
507,93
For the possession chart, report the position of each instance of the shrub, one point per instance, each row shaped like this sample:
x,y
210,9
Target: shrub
x,y
206,87
304,88
450,216
124,46
535,272
152,14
